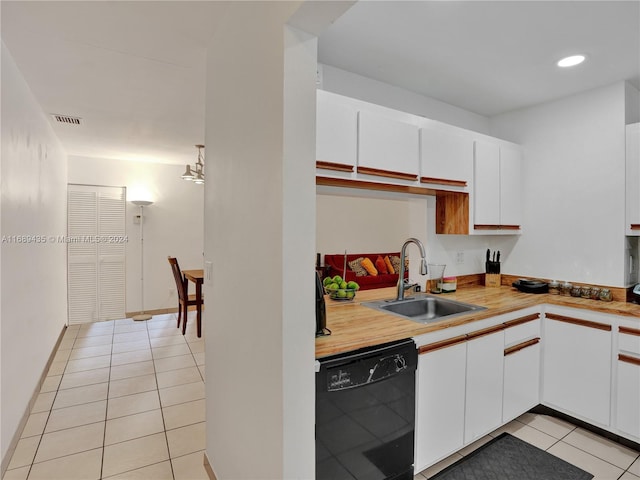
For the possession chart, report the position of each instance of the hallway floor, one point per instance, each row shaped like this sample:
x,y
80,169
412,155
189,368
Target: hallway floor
x,y
122,400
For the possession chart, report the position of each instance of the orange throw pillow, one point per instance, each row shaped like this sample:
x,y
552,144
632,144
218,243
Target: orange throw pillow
x,y
367,264
381,266
387,263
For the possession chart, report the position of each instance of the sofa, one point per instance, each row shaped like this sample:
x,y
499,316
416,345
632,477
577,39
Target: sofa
x,y
334,265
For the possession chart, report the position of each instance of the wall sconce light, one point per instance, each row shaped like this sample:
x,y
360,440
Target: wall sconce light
x,y
195,173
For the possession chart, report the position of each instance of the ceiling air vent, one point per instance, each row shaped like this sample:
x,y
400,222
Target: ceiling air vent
x,y
66,119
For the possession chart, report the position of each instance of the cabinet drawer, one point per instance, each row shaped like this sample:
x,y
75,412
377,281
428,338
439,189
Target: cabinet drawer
x,y
629,340
521,329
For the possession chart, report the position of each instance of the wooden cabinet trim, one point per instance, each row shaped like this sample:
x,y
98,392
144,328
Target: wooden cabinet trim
x,y
366,185
452,212
521,346
629,359
485,331
444,181
629,331
519,321
339,167
442,344
386,173
635,226
495,227
578,321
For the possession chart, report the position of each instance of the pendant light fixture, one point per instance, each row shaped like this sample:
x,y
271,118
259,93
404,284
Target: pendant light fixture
x,y
195,173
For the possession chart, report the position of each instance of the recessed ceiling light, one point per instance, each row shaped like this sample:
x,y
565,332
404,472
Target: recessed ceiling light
x,y
571,61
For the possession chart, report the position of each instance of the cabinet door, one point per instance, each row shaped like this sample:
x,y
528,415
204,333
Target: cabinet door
x,y
629,395
439,404
510,186
521,380
577,368
632,175
336,130
486,184
485,360
445,158
387,144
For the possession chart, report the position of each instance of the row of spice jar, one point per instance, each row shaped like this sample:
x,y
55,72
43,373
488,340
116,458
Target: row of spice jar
x,y
585,291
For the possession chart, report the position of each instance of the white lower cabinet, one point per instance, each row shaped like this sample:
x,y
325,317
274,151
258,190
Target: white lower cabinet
x,y
483,409
440,403
629,396
521,368
470,384
577,367
628,381
521,381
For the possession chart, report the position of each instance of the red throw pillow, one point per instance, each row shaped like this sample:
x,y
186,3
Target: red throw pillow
x,y
381,266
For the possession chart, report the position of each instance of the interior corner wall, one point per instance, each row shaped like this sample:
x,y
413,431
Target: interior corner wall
x,y
250,330
173,224
33,269
573,197
367,89
632,97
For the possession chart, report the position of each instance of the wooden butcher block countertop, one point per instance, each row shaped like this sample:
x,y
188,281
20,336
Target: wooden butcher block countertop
x,y
355,326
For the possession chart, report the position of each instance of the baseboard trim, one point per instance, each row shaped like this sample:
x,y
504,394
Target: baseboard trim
x,y
159,311
208,468
25,416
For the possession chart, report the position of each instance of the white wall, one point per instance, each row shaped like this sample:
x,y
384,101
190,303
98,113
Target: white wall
x,y
33,309
632,103
360,224
259,233
173,225
353,85
574,151
373,222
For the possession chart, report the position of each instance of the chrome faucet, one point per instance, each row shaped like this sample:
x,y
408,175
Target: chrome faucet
x,y
403,254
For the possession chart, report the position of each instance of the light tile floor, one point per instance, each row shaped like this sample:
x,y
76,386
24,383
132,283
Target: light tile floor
x,y
125,400
121,400
603,458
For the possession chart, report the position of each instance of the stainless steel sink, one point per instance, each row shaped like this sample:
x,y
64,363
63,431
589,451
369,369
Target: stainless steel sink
x,y
424,308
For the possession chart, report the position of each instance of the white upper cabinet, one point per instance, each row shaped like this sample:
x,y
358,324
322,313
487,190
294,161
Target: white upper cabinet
x,y
510,186
633,179
446,158
497,188
336,130
387,144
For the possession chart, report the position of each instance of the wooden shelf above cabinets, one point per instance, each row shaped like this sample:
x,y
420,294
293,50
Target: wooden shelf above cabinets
x,y
452,208
635,226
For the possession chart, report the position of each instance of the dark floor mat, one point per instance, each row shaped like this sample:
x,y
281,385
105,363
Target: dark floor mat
x,y
509,458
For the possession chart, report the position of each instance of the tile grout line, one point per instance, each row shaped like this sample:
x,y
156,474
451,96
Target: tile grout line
x,y
106,408
164,425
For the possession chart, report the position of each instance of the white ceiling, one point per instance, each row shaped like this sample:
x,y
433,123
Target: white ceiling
x,y
135,71
487,57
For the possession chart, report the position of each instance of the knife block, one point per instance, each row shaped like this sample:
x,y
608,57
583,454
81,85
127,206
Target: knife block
x,y
492,280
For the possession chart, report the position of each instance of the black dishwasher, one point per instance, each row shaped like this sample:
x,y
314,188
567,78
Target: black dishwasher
x,y
365,413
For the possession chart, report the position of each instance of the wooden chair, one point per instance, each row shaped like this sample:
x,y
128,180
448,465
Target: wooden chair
x,y
185,300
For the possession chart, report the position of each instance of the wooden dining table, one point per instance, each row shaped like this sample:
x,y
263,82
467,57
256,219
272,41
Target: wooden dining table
x,y
197,277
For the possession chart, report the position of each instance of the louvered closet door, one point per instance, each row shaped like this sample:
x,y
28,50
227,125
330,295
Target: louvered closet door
x,y
96,253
